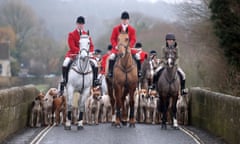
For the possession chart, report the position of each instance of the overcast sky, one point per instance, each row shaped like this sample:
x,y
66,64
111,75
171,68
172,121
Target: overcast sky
x,y
168,1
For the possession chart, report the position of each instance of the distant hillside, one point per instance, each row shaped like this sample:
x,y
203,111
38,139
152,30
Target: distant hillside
x,y
60,15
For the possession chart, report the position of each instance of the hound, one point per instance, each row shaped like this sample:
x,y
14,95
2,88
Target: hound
x,y
48,106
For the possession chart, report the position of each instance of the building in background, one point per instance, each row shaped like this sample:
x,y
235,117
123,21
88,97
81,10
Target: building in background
x,y
5,66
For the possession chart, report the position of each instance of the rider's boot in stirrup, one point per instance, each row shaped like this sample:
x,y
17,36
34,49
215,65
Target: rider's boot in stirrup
x,y
65,75
139,68
183,90
95,75
110,68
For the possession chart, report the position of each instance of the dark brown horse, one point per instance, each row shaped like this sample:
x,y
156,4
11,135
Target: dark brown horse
x,y
168,87
124,82
148,68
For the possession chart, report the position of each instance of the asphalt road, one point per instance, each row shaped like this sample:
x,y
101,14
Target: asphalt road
x,y
106,134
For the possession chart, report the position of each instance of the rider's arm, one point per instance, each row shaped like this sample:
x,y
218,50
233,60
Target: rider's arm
x,y
177,56
114,37
163,54
91,46
71,43
132,36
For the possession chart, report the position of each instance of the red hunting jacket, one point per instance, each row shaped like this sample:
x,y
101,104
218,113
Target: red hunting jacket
x,y
73,43
104,62
143,56
114,37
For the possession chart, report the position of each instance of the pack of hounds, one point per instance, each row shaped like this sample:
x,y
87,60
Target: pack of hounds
x,y
50,108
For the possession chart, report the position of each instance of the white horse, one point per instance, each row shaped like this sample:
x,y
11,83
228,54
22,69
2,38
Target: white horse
x,y
103,82
80,80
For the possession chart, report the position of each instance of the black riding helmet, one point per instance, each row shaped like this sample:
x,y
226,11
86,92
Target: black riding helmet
x,y
138,45
153,52
170,36
97,51
109,47
125,15
81,20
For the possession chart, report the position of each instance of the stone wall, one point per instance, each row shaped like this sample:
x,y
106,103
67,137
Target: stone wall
x,y
15,106
216,113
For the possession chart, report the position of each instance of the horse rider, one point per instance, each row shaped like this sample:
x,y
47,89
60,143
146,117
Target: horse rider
x,y
73,43
171,44
154,59
140,55
126,27
104,59
97,55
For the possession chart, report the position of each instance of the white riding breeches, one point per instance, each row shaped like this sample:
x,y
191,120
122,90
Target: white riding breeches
x,y
158,69
112,56
66,61
94,62
137,56
179,70
182,73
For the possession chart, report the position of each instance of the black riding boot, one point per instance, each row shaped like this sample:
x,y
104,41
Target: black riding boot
x,y
69,115
95,75
110,68
65,75
139,68
153,86
182,82
155,78
62,84
183,92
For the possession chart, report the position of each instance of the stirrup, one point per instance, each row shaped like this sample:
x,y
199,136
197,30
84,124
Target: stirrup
x,y
184,91
152,87
139,74
110,75
97,82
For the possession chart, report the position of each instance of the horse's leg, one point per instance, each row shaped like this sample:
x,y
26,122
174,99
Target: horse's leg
x,y
97,113
104,86
174,111
131,103
112,99
118,95
70,91
124,109
81,105
163,104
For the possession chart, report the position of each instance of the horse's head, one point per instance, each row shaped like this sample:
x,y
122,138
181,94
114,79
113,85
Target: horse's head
x,y
171,56
123,44
84,44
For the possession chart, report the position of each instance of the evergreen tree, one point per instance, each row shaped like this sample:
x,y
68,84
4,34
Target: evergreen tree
x,y
226,18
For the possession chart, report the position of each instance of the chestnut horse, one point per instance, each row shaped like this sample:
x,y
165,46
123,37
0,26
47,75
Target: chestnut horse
x,y
123,83
168,87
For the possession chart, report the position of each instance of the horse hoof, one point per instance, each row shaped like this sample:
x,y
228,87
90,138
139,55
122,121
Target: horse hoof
x,y
79,127
124,123
67,127
117,125
113,124
164,126
176,128
132,125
